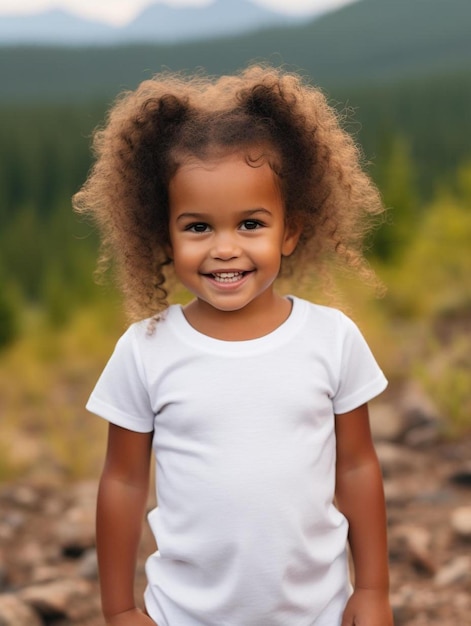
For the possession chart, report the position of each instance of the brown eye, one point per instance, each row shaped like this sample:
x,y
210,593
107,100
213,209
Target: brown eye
x,y
251,225
198,227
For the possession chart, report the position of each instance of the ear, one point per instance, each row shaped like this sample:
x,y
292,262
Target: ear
x,y
290,240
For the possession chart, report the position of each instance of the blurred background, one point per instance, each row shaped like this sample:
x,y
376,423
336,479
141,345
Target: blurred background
x,y
399,72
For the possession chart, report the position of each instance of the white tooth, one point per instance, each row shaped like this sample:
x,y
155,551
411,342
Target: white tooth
x,y
227,277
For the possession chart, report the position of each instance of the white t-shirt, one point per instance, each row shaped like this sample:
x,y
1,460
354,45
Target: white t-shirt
x,y
246,527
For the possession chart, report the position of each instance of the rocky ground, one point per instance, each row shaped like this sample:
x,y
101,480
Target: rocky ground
x,y
48,573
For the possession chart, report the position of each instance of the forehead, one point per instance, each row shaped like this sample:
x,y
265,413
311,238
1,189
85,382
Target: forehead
x,y
222,184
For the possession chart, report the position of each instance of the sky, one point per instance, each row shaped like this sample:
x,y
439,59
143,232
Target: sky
x,y
120,12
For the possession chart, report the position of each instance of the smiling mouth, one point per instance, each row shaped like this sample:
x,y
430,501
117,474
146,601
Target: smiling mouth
x,y
228,277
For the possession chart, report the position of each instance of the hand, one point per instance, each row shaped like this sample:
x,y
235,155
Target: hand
x,y
133,617
368,607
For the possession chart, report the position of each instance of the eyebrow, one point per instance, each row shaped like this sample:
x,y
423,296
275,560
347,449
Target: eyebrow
x,y
243,214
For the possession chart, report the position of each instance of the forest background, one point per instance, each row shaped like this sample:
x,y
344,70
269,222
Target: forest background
x,y
400,74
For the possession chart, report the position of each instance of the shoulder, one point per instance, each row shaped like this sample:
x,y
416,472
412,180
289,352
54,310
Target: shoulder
x,y
324,317
143,339
330,329
152,329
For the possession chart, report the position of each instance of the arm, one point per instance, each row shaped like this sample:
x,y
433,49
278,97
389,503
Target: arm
x,y
122,498
360,497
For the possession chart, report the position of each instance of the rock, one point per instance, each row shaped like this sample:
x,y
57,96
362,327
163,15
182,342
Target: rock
x,y
76,529
45,573
88,566
417,406
395,459
421,419
14,612
3,573
461,522
462,477
422,435
401,603
30,554
10,522
414,544
26,497
414,420
440,497
395,494
462,601
66,598
53,506
458,570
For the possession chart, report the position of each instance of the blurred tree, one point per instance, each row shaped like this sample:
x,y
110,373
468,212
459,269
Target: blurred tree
x,y
463,178
9,314
432,277
396,177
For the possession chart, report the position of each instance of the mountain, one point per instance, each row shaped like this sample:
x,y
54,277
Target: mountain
x,y
160,22
157,23
369,42
53,27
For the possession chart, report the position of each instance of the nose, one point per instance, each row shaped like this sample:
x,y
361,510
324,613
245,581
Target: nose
x,y
225,246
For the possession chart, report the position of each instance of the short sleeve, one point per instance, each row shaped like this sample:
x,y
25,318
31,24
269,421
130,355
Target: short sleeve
x,y
360,377
120,395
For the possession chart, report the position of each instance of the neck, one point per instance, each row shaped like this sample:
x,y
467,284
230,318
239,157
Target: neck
x,y
240,325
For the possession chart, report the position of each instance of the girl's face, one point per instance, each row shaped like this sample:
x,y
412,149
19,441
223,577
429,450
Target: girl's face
x,y
228,234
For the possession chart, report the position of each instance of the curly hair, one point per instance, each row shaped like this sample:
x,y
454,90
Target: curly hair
x,y
150,131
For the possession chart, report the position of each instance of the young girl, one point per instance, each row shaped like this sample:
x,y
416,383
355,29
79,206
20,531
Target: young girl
x,y
255,404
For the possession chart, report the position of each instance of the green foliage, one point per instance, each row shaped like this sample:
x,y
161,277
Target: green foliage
x,y
463,185
48,253
45,379
430,295
429,113
396,179
9,314
432,278
444,373
45,155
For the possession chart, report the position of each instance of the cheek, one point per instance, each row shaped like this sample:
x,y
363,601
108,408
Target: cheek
x,y
267,254
185,252
270,246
